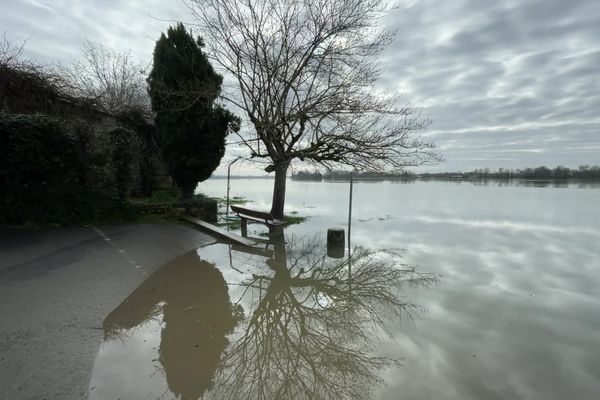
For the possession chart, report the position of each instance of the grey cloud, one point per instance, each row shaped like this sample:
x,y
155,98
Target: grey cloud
x,y
510,81
478,66
57,29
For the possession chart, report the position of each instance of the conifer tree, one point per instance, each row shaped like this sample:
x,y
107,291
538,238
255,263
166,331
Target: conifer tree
x,y
191,125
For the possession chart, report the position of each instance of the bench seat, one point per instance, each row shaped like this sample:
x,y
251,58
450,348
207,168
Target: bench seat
x,y
256,216
272,222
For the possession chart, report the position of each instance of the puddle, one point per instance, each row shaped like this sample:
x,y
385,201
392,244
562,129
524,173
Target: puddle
x,y
168,335
284,322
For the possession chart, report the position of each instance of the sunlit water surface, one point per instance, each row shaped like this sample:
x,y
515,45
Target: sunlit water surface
x,y
514,312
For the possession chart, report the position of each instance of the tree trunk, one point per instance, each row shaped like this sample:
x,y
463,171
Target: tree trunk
x,y
279,190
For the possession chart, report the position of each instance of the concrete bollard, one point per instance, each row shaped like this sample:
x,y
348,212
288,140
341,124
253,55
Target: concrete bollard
x,y
335,242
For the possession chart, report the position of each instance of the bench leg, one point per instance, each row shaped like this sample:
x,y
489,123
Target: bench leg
x,y
244,227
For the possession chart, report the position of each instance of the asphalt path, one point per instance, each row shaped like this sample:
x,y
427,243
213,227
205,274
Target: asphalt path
x,y
56,288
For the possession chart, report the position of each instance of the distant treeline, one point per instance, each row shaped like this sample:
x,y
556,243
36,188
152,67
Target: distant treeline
x,y
560,172
584,172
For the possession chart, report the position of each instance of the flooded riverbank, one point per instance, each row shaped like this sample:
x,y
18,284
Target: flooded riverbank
x,y
502,304
287,323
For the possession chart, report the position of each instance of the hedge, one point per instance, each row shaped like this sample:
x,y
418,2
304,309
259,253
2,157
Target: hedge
x,y
45,175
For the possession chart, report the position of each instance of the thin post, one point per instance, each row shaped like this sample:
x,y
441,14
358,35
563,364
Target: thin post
x,y
350,212
349,233
350,272
244,227
229,186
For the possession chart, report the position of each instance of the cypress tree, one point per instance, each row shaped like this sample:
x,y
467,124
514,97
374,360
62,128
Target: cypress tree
x,y
191,126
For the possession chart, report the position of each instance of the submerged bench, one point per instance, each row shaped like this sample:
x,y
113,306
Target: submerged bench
x,y
257,216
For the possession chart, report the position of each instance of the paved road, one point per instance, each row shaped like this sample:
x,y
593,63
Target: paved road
x,y
56,288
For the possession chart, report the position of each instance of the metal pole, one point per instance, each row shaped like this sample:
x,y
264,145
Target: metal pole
x,y
350,212
349,233
349,272
229,185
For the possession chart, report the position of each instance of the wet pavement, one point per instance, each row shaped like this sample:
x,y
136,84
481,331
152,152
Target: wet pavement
x,y
57,287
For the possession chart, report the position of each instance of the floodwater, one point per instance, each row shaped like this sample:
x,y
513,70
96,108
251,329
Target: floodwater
x,y
504,302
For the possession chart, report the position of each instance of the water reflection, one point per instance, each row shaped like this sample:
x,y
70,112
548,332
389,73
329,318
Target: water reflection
x,y
520,287
311,329
314,324
188,297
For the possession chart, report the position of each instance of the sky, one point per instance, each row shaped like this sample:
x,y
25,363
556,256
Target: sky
x,y
507,83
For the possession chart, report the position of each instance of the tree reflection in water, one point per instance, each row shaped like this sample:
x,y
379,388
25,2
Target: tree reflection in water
x,y
314,324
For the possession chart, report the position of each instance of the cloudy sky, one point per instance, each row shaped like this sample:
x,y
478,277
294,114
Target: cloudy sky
x,y
509,83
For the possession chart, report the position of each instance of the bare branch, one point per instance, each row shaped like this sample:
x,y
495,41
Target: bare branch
x,y
306,74
110,79
10,52
42,81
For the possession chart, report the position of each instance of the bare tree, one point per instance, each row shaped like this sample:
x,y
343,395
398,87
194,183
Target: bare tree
x,y
305,74
33,83
109,79
112,79
10,52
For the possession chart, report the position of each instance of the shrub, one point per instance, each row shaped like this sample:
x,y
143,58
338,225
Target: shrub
x,y
44,175
122,149
165,195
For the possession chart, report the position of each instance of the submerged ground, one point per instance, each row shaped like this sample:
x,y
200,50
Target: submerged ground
x,y
506,307
515,311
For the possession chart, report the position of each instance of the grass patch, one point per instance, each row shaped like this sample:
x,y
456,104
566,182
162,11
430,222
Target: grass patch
x,y
236,223
235,200
294,218
231,224
291,219
164,196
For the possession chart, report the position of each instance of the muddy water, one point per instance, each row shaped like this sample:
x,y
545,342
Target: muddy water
x,y
288,323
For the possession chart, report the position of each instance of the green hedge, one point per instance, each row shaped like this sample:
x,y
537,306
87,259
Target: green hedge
x,y
44,175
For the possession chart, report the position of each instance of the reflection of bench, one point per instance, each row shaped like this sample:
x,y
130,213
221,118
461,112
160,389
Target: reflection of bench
x,y
257,216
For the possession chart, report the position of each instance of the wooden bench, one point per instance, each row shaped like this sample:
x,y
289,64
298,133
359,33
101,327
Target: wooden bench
x,y
257,216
